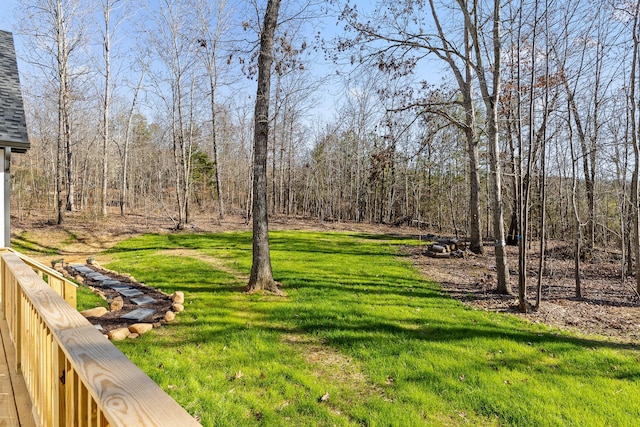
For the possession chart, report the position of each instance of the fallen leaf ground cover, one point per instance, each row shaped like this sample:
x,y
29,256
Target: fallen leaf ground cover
x,y
362,338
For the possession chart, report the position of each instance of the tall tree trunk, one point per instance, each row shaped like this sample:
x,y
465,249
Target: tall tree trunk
x,y
63,155
211,44
59,158
490,96
635,209
525,189
576,216
105,107
124,184
261,273
465,84
472,147
543,165
65,121
214,143
69,155
588,166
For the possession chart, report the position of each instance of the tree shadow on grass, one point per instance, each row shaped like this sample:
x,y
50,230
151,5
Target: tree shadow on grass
x,y
411,292
372,319
346,325
197,277
21,243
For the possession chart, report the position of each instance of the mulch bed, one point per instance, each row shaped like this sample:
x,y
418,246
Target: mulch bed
x,y
609,306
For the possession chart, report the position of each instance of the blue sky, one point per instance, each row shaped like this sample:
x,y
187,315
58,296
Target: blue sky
x,y
325,107
6,14
9,10
8,21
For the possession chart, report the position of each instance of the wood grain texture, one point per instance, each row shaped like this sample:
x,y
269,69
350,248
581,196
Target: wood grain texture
x,y
8,411
63,286
53,310
19,396
128,396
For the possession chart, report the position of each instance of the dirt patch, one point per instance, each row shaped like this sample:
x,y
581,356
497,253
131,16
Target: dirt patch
x,y
83,235
609,305
333,366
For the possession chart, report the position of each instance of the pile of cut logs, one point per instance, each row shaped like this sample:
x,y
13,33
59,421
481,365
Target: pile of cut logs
x,y
447,248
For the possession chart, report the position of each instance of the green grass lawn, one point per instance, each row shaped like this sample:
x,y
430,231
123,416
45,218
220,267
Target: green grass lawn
x,y
360,324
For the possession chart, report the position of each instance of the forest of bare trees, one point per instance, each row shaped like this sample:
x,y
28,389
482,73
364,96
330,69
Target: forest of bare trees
x,y
494,121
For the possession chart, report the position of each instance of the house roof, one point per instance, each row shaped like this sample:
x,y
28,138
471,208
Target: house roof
x,y
13,127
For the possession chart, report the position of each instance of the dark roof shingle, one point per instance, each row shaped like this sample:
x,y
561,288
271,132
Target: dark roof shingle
x,y
13,128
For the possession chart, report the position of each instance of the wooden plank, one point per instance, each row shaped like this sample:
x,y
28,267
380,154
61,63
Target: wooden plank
x,y
123,393
55,312
70,294
20,396
65,287
127,394
8,410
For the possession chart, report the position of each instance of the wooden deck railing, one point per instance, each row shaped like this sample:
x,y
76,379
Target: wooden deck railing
x,y
56,281
74,375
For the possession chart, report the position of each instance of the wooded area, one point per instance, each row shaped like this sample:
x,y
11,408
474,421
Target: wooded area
x,y
504,121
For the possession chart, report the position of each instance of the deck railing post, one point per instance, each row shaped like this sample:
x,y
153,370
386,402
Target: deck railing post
x,y
59,383
19,323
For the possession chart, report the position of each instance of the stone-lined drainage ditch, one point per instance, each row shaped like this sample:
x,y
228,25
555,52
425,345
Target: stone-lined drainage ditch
x,y
134,308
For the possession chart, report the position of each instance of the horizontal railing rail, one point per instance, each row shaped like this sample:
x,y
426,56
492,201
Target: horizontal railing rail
x,y
63,286
75,376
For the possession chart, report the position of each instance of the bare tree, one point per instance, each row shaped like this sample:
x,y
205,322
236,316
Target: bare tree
x,y
468,126
395,38
173,42
635,142
490,94
212,26
108,7
261,273
124,154
543,157
57,34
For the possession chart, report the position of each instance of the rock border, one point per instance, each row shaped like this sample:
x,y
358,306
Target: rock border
x,y
109,321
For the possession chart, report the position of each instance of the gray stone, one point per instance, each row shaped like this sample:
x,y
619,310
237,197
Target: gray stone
x,y
138,314
119,288
130,293
100,278
111,282
143,300
94,274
